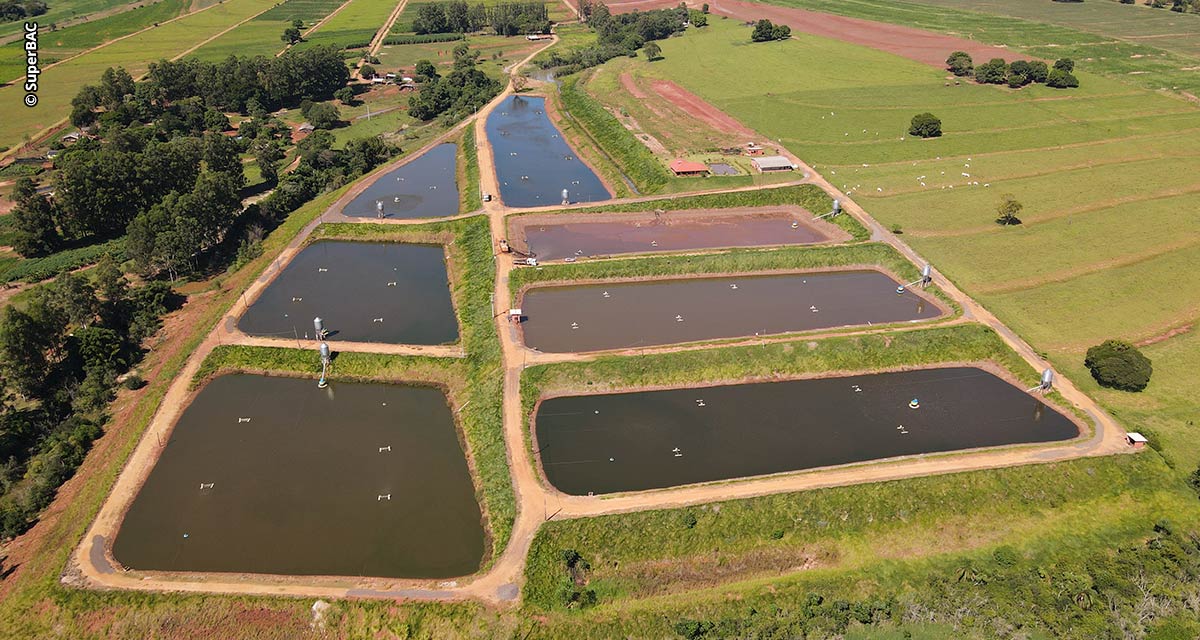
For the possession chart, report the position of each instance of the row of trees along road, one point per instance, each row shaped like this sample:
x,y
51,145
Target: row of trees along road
x,y
506,18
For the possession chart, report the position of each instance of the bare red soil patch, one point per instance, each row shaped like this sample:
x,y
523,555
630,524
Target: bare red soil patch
x,y
632,87
915,44
695,106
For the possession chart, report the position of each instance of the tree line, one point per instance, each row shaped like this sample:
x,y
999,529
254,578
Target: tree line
x,y
617,35
506,18
1015,75
11,10
62,354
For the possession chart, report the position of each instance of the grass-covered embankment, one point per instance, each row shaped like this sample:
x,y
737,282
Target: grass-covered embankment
x,y
807,196
1069,547
634,159
468,172
740,261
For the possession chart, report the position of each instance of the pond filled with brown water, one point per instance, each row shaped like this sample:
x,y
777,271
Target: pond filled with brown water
x,y
363,291
592,235
654,439
615,315
273,475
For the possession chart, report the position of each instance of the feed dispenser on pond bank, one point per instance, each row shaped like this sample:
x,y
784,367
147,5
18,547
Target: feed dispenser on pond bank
x,y
925,280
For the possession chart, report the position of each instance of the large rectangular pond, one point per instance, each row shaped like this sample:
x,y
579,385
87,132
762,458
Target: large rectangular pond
x,y
422,188
590,235
533,161
364,292
273,475
655,439
617,315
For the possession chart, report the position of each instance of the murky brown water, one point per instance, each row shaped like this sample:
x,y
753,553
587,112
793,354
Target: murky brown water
x,y
642,233
273,475
636,314
654,439
364,292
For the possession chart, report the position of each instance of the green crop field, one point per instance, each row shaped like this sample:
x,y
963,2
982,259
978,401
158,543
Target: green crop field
x,y
261,36
65,42
353,26
60,84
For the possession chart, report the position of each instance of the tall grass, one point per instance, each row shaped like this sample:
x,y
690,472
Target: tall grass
x,y
634,159
468,188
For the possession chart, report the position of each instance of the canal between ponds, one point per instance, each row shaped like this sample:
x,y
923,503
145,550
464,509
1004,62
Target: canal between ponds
x,y
425,187
533,161
364,291
618,315
273,475
655,439
591,235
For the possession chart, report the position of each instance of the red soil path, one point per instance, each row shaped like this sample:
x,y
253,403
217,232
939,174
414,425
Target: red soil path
x,y
695,106
915,44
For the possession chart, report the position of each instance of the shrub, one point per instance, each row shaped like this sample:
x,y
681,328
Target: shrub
x,y
1037,71
1059,79
925,125
1064,64
1017,80
1119,365
765,31
994,71
960,64
1007,211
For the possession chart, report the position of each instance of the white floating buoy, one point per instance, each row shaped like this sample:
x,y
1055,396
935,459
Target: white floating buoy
x,y
733,286
387,449
678,318
391,284
606,294
377,320
321,269
296,299
241,420
700,402
574,325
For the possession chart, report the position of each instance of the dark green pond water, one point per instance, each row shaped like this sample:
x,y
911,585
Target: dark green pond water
x,y
654,439
301,487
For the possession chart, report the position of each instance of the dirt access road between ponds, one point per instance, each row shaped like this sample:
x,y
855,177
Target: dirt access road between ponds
x,y
500,583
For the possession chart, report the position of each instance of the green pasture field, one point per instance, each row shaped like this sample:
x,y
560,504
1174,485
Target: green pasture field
x,y
60,84
261,36
68,41
353,26
1157,68
1137,22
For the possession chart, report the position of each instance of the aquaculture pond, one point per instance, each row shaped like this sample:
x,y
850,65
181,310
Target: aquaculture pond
x,y
654,439
618,315
363,291
589,235
533,161
273,475
422,188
